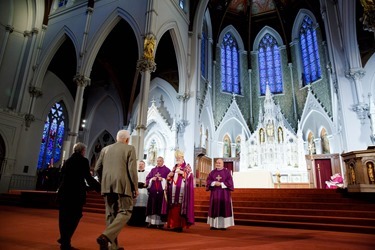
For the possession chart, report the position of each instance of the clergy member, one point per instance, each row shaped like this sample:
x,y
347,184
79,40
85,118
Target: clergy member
x,y
156,184
138,217
180,195
220,183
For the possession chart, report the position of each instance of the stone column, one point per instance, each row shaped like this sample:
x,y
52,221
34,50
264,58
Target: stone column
x,y
146,65
81,81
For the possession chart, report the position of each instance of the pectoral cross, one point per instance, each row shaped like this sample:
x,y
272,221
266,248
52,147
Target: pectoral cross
x,y
218,178
157,174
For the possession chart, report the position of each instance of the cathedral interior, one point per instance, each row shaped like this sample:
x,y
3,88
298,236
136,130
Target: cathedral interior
x,y
279,88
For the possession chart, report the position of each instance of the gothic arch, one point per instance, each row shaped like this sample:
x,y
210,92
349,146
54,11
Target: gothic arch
x,y
102,33
179,48
51,50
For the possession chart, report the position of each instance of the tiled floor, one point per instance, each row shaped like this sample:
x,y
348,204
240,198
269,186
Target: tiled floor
x,y
30,228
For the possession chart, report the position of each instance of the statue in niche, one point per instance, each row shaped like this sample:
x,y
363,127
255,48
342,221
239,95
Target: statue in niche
x,y
370,172
325,142
226,148
152,153
238,146
280,135
311,144
352,174
270,131
261,135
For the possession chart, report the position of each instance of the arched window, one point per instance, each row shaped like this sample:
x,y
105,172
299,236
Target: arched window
x,y
53,136
269,65
230,81
204,50
309,52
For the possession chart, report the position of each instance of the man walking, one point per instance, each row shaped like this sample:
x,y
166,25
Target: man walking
x,y
71,194
117,172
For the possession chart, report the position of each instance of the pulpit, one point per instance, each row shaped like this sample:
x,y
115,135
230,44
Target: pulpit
x,y
360,171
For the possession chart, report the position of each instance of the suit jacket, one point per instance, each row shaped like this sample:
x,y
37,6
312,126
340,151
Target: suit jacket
x,y
75,173
117,169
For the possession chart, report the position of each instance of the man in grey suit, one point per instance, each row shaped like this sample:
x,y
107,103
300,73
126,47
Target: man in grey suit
x,y
117,172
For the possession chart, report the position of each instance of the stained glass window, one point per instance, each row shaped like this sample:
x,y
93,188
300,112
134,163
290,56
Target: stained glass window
x,y
204,48
62,3
182,4
309,52
230,65
269,65
53,136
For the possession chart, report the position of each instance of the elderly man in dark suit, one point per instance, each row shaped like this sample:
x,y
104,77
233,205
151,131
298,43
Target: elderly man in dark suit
x,y
118,175
75,173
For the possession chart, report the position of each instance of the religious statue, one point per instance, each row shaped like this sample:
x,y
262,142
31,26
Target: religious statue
x,y
149,47
261,135
352,174
152,153
280,135
270,131
226,148
238,146
370,172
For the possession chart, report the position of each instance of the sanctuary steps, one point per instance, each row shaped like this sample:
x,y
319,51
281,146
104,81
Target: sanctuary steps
x,y
317,209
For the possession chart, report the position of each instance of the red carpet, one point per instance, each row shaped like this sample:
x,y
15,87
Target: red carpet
x,y
32,228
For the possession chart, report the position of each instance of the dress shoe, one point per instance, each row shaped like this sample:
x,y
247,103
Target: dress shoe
x,y
103,241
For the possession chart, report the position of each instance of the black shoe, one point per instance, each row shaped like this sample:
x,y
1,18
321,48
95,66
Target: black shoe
x,y
214,228
103,241
178,229
160,226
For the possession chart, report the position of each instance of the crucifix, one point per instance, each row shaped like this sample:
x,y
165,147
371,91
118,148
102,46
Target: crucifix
x,y
218,178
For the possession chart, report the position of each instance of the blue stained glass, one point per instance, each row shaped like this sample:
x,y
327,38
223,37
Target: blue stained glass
x,y
52,137
269,65
309,52
229,65
203,55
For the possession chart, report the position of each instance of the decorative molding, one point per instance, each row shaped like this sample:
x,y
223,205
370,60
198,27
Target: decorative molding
x,y
355,74
181,125
81,80
9,28
29,118
362,111
146,65
35,92
183,97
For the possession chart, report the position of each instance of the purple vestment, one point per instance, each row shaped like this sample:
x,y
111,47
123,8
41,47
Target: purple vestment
x,y
156,196
220,199
174,192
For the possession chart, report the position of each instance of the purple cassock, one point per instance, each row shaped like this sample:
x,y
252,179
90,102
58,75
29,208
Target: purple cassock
x,y
156,196
220,199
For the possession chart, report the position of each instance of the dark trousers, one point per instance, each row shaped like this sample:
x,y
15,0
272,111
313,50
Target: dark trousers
x,y
69,217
